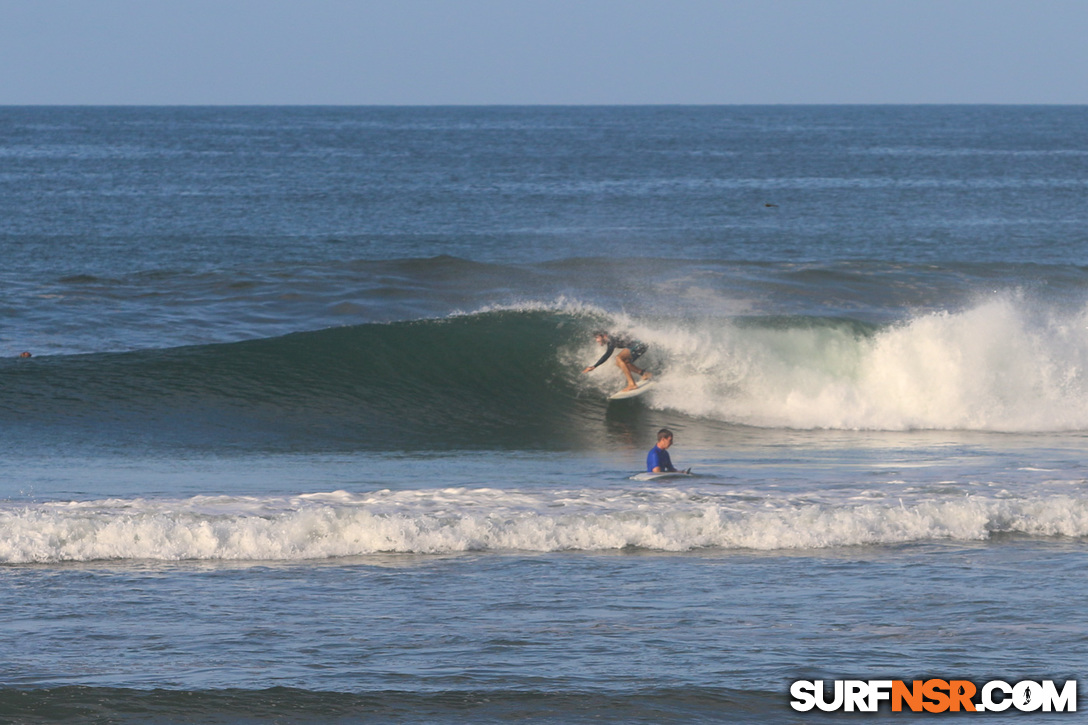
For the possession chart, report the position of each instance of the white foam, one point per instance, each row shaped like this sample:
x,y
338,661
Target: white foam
x,y
341,524
1000,366
561,304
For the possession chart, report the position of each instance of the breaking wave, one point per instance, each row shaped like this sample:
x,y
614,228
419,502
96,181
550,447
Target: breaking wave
x,y
446,521
510,377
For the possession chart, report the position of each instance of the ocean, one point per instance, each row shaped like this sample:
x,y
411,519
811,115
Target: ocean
x,y
304,435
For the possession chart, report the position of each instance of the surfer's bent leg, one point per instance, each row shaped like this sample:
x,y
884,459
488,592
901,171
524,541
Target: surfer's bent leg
x,y
637,351
623,360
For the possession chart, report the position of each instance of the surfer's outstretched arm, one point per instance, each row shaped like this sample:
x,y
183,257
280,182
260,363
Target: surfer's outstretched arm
x,y
607,354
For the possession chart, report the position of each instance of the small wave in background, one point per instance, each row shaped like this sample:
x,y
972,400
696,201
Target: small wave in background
x,y
451,521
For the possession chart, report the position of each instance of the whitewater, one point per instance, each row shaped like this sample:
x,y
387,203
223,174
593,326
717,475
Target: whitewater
x,y
450,521
1003,365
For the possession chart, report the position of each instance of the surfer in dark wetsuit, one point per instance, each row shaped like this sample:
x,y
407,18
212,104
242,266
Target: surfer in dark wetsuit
x,y
627,351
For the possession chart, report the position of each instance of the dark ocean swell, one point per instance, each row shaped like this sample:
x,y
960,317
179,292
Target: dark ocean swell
x,y
491,379
289,705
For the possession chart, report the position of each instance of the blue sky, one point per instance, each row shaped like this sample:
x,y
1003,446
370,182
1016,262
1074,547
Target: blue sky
x,y
542,52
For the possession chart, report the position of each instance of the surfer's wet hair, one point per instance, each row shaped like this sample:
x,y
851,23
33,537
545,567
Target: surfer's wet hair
x,y
600,333
663,434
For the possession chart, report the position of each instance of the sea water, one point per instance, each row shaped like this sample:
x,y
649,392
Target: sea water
x,y
304,435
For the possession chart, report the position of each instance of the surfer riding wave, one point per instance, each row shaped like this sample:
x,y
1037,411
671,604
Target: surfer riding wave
x,y
627,351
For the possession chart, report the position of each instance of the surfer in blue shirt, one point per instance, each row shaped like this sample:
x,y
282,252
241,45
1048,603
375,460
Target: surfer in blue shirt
x,y
658,460
627,351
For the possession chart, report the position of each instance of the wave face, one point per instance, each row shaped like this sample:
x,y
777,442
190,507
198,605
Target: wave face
x,y
448,521
510,377
434,383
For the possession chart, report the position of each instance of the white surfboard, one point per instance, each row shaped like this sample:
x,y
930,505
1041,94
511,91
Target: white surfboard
x,y
651,476
643,386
